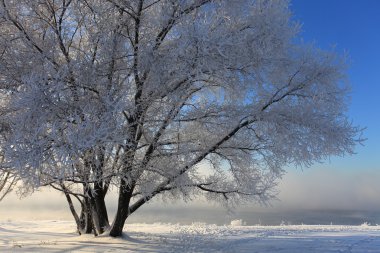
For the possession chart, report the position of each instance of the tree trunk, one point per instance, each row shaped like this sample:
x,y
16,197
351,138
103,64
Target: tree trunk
x,y
98,211
98,205
84,221
101,208
73,212
86,226
122,213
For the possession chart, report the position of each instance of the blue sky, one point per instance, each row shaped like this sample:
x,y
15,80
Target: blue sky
x,y
350,182
351,26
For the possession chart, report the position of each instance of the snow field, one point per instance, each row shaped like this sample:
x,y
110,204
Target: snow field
x,y
60,236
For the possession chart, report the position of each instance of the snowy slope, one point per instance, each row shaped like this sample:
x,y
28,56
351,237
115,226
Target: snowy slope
x,y
60,236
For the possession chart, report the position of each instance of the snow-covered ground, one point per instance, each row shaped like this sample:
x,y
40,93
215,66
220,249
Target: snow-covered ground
x,y
60,236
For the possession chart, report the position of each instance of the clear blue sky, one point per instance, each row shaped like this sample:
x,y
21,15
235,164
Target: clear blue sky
x,y
353,26
350,182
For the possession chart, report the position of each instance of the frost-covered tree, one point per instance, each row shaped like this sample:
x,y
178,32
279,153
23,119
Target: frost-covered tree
x,y
174,98
8,178
7,182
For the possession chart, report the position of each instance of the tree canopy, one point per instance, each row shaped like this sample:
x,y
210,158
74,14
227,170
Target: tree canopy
x,y
180,98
